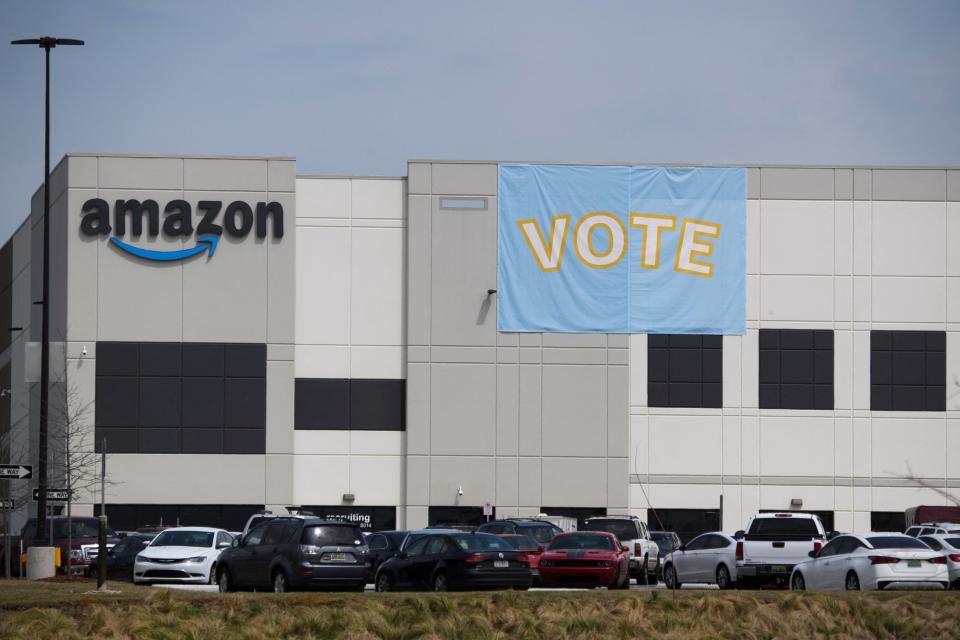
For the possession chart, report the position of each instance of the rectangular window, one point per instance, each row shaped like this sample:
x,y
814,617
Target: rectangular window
x,y
908,370
171,397
686,523
437,516
796,369
367,518
129,517
888,521
685,371
826,517
365,405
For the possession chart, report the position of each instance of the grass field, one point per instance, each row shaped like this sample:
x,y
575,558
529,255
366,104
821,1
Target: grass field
x,y
37,610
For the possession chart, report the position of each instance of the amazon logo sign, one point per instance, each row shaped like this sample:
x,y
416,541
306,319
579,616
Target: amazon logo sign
x,y
238,220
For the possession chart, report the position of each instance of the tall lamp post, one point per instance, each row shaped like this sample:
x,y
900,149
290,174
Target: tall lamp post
x,y
46,43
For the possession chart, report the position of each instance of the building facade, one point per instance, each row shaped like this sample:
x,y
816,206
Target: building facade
x,y
335,347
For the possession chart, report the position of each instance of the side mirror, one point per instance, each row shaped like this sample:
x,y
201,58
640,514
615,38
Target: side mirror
x,y
540,548
402,555
739,534
812,554
236,542
682,547
224,545
625,548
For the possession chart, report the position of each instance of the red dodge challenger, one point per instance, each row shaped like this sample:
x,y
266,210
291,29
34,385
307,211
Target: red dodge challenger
x,y
586,559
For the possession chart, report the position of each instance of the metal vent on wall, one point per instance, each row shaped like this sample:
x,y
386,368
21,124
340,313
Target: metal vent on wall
x,y
475,204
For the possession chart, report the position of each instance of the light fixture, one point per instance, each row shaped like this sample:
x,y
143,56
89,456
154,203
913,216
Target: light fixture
x,y
349,497
796,502
490,292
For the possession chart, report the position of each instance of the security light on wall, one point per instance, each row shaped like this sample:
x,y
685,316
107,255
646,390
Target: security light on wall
x,y
796,502
349,497
460,490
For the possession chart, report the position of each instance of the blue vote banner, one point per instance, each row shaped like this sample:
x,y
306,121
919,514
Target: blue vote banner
x,y
610,249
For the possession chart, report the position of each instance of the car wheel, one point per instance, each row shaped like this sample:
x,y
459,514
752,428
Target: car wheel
x,y
384,583
669,578
852,582
644,574
213,574
797,583
280,584
440,582
723,577
224,581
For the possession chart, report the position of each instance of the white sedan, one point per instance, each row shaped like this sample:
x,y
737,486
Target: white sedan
x,y
709,558
871,562
183,554
949,545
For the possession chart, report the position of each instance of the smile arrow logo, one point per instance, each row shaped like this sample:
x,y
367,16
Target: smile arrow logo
x,y
204,243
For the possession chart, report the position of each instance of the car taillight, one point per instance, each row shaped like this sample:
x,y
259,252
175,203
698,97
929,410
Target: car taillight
x,y
740,550
954,557
637,550
475,558
883,560
817,546
523,558
939,560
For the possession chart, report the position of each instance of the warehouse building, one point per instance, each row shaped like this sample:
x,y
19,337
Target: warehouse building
x,y
239,337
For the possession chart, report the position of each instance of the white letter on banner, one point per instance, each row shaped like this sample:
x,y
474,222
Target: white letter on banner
x,y
583,240
691,245
651,224
549,257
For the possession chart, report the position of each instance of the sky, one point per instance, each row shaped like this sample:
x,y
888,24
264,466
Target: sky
x,y
361,87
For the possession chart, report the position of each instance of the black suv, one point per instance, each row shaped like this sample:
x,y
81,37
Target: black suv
x,y
296,552
541,531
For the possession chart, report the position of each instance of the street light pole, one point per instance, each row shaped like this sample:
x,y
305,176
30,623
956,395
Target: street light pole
x,y
46,43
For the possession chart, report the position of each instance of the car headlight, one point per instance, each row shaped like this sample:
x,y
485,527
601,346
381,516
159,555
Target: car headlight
x,y
196,559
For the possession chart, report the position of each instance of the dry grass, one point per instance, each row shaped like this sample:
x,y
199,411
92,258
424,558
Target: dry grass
x,y
65,611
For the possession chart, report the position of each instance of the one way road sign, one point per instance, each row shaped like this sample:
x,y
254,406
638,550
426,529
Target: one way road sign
x,y
15,472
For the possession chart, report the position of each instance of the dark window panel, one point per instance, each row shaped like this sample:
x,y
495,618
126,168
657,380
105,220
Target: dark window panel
x,y
202,402
769,366
823,396
160,402
202,359
245,403
936,341
159,440
117,359
823,367
908,367
118,440
712,365
880,370
769,339
245,441
658,395
769,396
936,368
117,402
658,365
893,521
234,517
936,399
201,441
377,404
796,366
796,396
198,515
685,394
908,398
880,397
907,340
685,341
321,403
712,395
712,342
687,523
685,365
245,360
796,339
658,341
160,359
879,340
823,339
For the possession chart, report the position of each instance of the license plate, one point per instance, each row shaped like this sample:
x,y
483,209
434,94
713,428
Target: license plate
x,y
501,564
778,568
913,564
338,557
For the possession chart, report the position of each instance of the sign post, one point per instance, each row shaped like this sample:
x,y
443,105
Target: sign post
x,y
53,495
487,510
7,507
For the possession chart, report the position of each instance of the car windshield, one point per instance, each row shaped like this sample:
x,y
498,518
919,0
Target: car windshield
x,y
663,540
480,542
780,525
581,541
332,535
183,539
896,542
521,542
542,533
80,529
623,529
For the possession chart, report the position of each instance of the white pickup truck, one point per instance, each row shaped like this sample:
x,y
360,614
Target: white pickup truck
x,y
773,543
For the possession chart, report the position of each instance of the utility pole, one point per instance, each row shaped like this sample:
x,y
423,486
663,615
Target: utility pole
x,y
46,43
